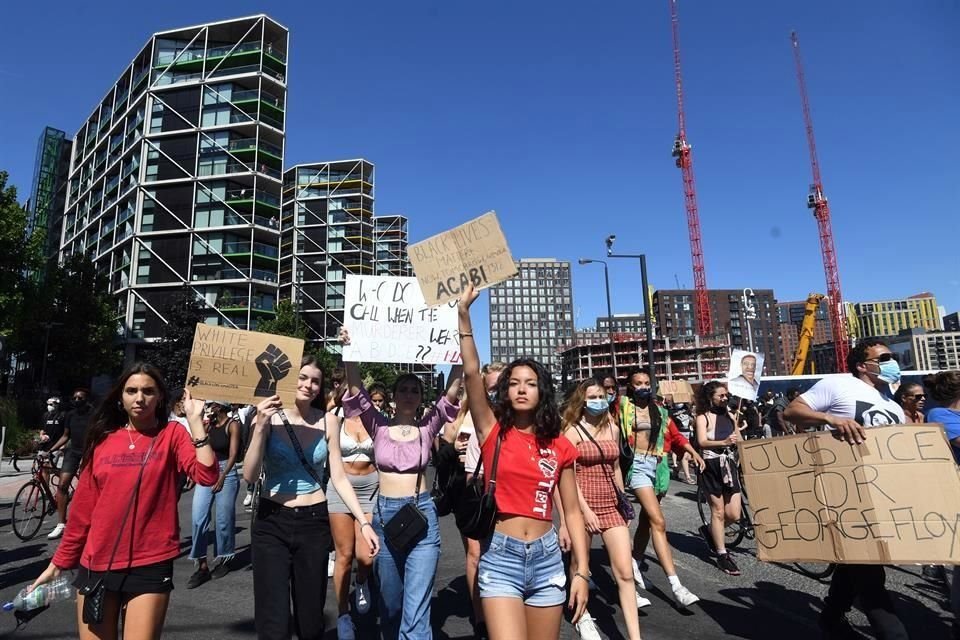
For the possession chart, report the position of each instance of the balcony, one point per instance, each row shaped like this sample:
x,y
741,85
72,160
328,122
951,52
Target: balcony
x,y
237,167
243,249
235,273
249,195
249,98
243,145
256,304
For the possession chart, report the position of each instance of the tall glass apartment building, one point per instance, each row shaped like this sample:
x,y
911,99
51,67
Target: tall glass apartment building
x,y
328,232
49,193
175,177
390,241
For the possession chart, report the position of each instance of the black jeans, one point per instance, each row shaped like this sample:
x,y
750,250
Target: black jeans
x,y
291,546
868,583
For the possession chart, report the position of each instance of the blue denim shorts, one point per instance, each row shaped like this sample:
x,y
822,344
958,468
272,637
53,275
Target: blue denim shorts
x,y
531,571
643,473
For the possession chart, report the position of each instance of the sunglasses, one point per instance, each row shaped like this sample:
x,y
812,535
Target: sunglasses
x,y
884,357
918,396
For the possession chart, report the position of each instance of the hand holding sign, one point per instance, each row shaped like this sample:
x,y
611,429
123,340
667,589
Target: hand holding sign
x,y
273,365
469,296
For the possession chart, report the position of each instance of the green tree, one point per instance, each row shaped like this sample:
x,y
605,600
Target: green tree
x,y
381,372
18,255
171,353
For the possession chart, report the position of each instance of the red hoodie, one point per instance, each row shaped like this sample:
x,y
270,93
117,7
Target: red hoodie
x,y
105,488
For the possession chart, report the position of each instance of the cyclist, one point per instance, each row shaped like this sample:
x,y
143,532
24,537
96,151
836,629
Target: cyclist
x,y
75,425
50,435
717,435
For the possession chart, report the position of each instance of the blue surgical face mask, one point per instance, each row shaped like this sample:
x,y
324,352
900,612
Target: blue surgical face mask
x,y
611,398
889,372
597,406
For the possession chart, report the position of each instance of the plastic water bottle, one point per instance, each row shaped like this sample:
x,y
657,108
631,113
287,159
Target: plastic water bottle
x,y
53,591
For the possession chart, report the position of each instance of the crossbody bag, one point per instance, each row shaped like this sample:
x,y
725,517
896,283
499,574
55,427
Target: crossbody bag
x,y
299,450
408,525
623,503
93,594
476,511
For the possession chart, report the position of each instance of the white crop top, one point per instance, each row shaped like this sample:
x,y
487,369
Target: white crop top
x,y
353,451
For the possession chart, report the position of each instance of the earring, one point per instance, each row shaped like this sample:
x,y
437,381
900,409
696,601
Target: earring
x,y
119,405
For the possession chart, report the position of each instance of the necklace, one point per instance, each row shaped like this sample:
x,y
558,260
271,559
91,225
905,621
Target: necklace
x,y
133,443
405,429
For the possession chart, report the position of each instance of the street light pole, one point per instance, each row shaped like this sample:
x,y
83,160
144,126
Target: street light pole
x,y
606,280
647,312
749,312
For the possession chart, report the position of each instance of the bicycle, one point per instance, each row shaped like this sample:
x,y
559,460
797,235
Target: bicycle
x,y
35,500
735,532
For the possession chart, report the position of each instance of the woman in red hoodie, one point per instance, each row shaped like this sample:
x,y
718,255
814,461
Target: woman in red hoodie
x,y
126,535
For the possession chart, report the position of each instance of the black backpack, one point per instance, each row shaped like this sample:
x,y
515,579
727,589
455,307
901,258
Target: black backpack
x,y
450,479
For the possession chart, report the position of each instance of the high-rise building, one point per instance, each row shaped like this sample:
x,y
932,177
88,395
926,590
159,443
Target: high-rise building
x,y
390,241
175,177
531,315
49,193
328,232
675,313
790,316
951,321
890,317
622,323
922,350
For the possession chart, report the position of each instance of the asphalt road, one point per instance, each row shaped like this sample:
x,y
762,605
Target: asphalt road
x,y
767,601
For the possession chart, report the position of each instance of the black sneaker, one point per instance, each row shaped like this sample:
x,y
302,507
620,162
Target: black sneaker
x,y
837,629
705,532
727,565
220,570
198,578
934,573
480,631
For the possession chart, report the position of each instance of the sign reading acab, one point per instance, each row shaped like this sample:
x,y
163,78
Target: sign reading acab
x,y
243,367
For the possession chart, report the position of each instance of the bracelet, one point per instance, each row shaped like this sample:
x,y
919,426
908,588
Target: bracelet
x,y
201,442
577,574
365,524
466,335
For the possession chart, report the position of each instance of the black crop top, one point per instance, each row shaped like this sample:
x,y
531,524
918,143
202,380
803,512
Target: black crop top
x,y
220,440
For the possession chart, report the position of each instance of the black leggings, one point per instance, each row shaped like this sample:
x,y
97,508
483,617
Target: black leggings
x,y
291,546
866,582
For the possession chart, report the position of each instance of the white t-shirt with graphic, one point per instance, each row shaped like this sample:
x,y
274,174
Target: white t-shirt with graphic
x,y
849,397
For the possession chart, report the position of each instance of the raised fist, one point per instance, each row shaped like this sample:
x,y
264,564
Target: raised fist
x,y
273,365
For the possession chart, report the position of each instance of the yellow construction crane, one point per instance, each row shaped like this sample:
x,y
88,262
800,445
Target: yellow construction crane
x,y
806,333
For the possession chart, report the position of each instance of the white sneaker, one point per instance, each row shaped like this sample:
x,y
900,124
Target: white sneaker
x,y
637,575
642,602
683,597
362,596
57,532
248,499
587,629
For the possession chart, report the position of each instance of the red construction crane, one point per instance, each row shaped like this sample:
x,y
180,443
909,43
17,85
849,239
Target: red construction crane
x,y
817,201
684,158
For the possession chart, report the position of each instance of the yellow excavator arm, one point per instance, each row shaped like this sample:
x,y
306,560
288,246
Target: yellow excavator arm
x,y
806,333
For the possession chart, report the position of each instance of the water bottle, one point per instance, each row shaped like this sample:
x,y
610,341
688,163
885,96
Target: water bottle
x,y
54,591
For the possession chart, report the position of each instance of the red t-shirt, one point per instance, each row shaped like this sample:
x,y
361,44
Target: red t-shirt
x,y
526,473
674,440
105,488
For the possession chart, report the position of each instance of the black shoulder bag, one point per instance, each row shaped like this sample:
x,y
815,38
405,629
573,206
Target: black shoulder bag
x,y
296,447
476,511
408,525
623,503
93,594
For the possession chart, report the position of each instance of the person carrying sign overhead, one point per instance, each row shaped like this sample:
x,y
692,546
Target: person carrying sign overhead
x,y
849,406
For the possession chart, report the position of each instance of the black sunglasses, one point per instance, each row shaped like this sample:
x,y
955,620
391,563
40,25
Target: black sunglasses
x,y
884,357
918,396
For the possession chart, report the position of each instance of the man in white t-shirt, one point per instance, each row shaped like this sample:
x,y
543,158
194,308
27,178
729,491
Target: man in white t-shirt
x,y
850,405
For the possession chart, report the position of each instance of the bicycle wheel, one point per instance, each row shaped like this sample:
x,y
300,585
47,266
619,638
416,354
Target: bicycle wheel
x,y
815,570
733,534
29,510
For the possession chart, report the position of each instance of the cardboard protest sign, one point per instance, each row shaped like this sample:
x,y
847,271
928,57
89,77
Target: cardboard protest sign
x,y
679,390
243,366
895,499
475,252
389,321
743,379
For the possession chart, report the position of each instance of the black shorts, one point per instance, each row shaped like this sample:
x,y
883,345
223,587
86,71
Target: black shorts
x,y
712,479
152,578
71,461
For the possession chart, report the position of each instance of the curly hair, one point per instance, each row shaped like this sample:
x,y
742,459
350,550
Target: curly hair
x,y
705,395
858,354
546,415
903,389
944,386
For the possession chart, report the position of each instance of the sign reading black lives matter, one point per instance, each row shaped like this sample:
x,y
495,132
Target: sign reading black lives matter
x,y
389,321
473,253
243,367
895,499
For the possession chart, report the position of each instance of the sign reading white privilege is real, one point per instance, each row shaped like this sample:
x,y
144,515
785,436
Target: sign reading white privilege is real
x,y
389,321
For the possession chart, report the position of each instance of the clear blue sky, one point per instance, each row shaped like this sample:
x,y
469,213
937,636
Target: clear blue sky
x,y
560,115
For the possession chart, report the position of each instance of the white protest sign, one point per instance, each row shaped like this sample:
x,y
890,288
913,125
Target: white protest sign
x,y
389,321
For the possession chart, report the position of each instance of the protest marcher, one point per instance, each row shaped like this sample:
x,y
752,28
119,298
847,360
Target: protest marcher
x,y
122,535
849,405
911,398
75,424
588,425
645,424
717,436
402,446
356,450
224,434
944,388
50,434
680,415
380,399
291,535
521,575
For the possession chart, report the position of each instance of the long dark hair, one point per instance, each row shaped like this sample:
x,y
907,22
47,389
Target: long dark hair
x,y
653,409
110,415
546,415
705,396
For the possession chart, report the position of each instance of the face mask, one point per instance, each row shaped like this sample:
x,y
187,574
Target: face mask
x,y
889,372
642,395
597,406
50,408
611,398
492,397
719,410
77,402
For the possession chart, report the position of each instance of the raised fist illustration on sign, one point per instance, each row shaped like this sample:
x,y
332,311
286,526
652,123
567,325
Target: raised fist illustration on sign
x,y
273,365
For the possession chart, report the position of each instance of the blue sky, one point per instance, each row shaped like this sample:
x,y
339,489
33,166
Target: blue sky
x,y
561,116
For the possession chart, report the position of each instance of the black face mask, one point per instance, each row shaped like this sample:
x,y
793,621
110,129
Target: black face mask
x,y
642,396
719,410
76,403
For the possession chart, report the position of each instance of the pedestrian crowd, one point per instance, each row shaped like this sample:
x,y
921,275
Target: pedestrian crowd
x,y
530,477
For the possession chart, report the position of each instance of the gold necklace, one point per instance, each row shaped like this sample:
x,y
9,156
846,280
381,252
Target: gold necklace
x,y
133,443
